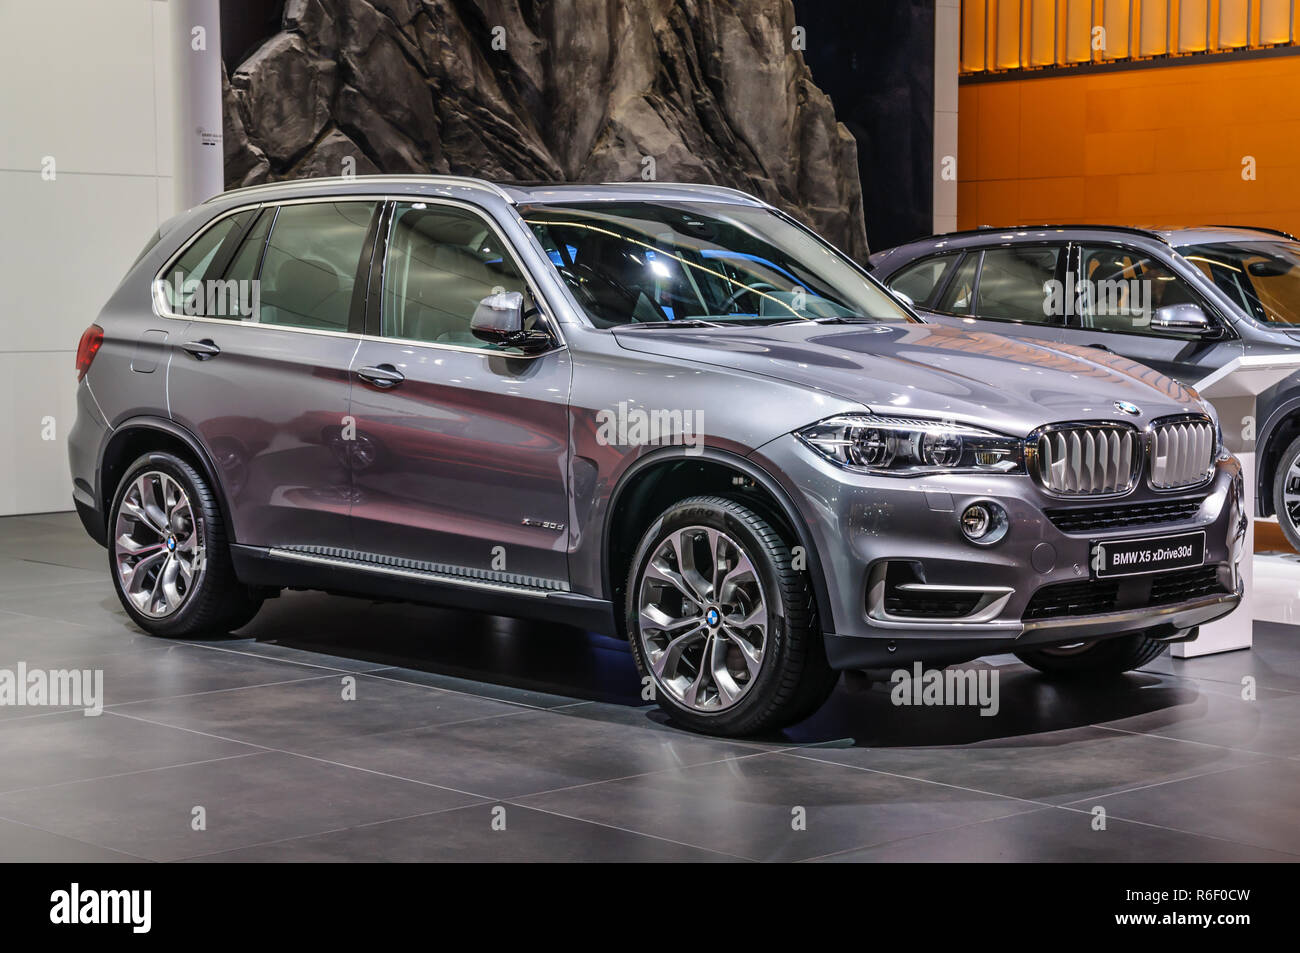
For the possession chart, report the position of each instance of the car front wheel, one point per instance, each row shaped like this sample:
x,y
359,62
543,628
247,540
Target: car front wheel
x,y
721,622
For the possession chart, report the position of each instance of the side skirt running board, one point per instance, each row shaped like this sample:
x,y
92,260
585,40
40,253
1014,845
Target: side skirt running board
x,y
343,572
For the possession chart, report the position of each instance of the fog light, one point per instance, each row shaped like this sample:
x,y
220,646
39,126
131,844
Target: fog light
x,y
984,523
975,522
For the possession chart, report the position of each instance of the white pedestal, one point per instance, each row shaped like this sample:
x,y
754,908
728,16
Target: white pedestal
x,y
1232,389
1236,631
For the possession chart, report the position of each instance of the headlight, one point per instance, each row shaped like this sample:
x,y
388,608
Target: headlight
x,y
901,446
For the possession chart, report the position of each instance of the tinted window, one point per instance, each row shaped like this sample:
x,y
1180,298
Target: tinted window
x,y
184,282
1012,283
920,279
1125,287
441,262
243,267
1262,277
957,296
309,270
651,262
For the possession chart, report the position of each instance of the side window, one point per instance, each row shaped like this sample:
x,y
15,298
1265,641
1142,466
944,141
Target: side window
x,y
920,279
1122,288
960,293
309,267
441,262
1012,280
248,259
184,281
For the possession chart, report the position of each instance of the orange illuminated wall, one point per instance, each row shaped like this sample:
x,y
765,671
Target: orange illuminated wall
x,y
1154,146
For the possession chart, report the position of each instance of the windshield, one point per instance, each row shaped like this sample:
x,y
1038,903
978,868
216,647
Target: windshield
x,y
1262,277
643,262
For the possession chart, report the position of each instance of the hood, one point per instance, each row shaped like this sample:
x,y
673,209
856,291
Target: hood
x,y
1004,384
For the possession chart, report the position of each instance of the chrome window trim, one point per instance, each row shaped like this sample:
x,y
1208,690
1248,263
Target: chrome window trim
x,y
166,312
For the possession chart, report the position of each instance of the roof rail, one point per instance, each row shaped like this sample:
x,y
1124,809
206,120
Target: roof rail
x,y
709,186
414,179
1260,228
1126,229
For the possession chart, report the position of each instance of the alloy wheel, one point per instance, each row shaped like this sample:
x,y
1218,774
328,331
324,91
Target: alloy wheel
x,y
1291,493
157,545
702,618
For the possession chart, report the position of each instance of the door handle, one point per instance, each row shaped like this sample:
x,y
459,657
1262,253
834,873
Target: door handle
x,y
383,375
1102,347
202,350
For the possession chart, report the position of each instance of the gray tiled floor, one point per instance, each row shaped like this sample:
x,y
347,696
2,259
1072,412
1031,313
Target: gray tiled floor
x,y
333,729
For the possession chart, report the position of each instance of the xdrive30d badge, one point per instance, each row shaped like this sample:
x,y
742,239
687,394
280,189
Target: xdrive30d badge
x,y
665,411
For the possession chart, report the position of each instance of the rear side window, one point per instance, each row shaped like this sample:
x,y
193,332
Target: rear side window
x,y
920,279
309,267
960,291
183,284
1013,283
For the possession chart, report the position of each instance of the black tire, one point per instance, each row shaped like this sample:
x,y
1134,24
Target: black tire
x,y
793,679
1284,517
1106,657
218,601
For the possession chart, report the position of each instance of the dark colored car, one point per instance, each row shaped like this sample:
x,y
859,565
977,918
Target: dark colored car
x,y
1183,301
665,411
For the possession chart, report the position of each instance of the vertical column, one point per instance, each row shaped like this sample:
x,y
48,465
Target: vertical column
x,y
947,47
196,83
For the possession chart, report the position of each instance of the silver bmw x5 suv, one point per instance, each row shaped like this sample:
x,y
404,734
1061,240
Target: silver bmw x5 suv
x,y
669,412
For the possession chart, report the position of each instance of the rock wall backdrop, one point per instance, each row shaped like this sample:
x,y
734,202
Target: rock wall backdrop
x,y
553,90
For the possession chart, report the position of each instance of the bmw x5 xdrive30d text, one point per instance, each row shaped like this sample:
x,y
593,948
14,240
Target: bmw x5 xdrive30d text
x,y
665,411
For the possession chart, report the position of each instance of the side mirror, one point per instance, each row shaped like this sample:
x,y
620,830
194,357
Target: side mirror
x,y
499,320
903,298
1183,319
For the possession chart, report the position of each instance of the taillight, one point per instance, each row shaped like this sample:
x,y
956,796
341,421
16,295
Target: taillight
x,y
88,347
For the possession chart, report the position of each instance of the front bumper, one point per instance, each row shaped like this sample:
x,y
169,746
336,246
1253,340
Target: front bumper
x,y
861,525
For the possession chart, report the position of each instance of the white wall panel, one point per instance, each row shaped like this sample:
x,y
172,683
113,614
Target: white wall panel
x,y
87,82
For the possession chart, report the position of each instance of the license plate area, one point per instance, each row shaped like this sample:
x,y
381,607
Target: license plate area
x,y
1114,558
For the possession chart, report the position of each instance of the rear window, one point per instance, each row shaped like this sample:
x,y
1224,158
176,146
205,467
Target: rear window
x,y
183,282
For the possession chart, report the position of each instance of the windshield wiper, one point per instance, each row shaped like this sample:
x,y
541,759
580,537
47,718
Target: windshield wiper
x,y
683,323
846,319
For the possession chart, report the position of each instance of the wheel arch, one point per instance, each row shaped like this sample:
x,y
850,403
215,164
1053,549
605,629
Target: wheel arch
x,y
137,436
658,478
1280,428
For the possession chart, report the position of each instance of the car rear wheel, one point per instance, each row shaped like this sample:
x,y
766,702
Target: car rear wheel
x,y
1097,657
722,624
168,554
